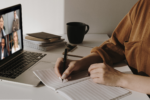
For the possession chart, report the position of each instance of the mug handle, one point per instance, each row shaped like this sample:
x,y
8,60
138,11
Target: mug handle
x,y
87,29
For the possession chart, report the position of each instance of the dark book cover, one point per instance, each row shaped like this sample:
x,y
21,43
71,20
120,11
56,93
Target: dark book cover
x,y
43,35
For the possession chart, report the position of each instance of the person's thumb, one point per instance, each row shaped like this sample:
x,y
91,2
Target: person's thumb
x,y
67,72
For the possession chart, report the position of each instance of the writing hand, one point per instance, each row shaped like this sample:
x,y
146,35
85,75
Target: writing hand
x,y
71,66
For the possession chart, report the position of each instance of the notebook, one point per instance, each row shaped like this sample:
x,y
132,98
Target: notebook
x,y
80,51
38,39
80,87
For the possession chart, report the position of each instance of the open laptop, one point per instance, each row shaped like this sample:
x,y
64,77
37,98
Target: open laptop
x,y
16,64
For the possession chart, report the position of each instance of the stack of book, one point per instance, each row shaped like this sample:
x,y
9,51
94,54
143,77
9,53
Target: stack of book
x,y
43,41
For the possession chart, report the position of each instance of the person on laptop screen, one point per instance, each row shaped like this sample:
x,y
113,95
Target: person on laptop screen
x,y
15,26
130,41
3,33
2,28
16,46
3,50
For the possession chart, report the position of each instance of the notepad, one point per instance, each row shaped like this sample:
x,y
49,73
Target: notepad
x,y
80,51
80,87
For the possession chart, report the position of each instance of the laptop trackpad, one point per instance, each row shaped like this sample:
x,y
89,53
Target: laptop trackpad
x,y
42,65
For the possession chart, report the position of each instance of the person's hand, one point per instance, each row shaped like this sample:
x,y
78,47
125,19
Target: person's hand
x,y
71,66
104,74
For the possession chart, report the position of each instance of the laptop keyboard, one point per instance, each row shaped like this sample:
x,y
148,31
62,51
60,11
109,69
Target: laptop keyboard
x,y
20,64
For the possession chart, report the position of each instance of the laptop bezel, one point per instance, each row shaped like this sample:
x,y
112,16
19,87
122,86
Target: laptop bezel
x,y
7,10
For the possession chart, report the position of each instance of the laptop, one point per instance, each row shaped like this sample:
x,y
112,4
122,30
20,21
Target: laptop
x,y
16,64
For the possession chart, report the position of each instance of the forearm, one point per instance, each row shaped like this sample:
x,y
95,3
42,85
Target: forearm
x,y
136,83
90,59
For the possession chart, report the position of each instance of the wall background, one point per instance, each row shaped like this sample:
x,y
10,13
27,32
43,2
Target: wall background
x,y
102,15
52,15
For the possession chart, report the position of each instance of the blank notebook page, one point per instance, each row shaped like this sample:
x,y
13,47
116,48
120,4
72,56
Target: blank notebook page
x,y
81,51
87,90
51,80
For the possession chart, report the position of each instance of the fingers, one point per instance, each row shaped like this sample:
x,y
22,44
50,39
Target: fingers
x,y
58,67
97,72
95,75
93,66
67,72
99,67
96,80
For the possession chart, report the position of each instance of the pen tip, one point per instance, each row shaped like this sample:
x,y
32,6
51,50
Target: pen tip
x,y
62,80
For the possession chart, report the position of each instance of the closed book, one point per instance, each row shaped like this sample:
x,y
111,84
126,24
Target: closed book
x,y
38,39
43,43
43,35
52,43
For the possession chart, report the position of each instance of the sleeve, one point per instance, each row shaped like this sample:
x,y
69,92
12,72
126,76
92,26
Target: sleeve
x,y
112,50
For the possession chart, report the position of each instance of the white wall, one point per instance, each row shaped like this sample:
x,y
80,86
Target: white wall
x,y
40,15
102,15
52,15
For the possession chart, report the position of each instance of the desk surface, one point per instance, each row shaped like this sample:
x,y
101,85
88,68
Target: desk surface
x,y
17,92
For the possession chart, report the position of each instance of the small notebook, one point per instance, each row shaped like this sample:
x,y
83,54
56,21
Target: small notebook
x,y
80,87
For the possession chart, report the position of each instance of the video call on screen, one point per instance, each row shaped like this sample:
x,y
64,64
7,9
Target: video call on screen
x,y
10,33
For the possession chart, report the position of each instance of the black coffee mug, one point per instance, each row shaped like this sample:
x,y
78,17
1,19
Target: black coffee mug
x,y
76,32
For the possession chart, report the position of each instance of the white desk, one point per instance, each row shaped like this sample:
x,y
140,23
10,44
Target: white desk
x,y
9,91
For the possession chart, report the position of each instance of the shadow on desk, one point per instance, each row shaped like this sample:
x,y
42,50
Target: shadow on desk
x,y
40,85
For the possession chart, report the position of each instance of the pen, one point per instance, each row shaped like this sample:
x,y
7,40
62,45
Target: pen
x,y
64,61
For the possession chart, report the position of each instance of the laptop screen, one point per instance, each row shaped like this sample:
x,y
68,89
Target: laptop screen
x,y
10,32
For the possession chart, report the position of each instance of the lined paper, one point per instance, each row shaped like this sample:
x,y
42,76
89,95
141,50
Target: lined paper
x,y
80,87
51,80
87,90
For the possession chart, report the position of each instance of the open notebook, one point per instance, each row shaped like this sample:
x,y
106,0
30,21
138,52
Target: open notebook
x,y
80,87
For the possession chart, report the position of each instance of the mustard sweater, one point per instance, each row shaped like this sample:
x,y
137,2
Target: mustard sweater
x,y
130,40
